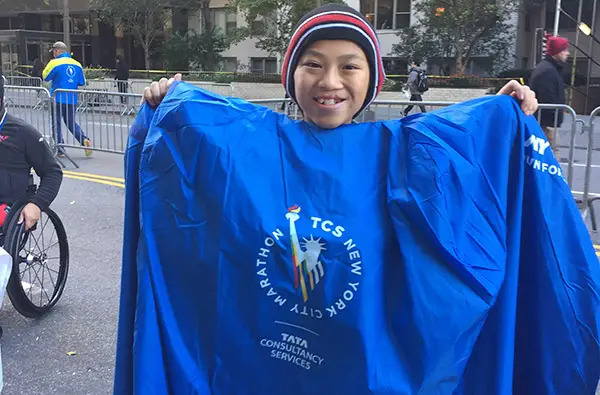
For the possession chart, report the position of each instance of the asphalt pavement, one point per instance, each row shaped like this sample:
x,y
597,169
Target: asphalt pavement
x,y
72,349
35,352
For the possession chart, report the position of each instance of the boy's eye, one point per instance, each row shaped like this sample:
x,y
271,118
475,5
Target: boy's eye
x,y
311,64
351,67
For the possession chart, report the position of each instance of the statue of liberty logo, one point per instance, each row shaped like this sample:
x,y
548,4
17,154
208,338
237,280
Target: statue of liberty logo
x,y
306,265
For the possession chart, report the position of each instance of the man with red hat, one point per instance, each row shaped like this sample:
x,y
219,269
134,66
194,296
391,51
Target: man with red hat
x,y
548,84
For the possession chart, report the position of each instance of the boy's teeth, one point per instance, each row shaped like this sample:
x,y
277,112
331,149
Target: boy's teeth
x,y
328,101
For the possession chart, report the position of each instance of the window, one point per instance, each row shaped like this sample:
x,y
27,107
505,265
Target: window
x,y
263,65
229,64
258,27
395,66
570,7
223,19
56,23
230,22
33,22
80,25
387,14
263,26
402,14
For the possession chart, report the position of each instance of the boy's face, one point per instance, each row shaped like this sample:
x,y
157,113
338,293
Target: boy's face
x,y
331,82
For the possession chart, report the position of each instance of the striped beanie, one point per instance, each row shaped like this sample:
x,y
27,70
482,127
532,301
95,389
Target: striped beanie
x,y
335,22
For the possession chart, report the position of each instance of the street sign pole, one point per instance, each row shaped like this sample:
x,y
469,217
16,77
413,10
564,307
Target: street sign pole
x,y
66,24
556,17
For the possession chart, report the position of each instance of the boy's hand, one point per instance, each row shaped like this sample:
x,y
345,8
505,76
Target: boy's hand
x,y
154,93
529,103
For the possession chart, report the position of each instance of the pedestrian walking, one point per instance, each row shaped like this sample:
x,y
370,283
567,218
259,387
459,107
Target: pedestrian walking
x,y
122,76
37,68
416,86
64,72
548,84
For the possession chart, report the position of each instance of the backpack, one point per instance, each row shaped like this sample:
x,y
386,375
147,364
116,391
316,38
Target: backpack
x,y
422,82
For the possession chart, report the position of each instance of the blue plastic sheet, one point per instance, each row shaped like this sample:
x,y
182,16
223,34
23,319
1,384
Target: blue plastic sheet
x,y
437,254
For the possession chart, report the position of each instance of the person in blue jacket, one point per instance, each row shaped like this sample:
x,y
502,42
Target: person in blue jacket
x,y
64,72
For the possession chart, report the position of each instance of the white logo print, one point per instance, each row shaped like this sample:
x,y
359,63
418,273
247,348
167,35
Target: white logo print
x,y
291,274
70,71
539,144
306,258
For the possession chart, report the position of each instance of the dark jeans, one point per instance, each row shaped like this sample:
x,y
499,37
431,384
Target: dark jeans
x,y
414,97
122,86
66,112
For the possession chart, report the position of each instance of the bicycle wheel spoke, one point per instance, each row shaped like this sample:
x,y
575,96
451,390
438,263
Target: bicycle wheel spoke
x,y
50,275
30,248
42,285
50,246
30,285
31,236
52,270
52,237
44,227
27,267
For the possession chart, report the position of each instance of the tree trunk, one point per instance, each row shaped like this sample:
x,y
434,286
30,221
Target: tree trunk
x,y
461,62
205,13
147,57
207,27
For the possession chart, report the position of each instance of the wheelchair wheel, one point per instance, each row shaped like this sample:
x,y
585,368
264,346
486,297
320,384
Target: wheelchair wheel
x,y
40,264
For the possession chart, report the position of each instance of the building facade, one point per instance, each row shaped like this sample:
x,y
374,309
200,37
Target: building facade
x,y
243,56
388,17
28,28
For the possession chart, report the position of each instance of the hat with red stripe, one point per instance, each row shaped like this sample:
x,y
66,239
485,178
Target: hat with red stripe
x,y
335,22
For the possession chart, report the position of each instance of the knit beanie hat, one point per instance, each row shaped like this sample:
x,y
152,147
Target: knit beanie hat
x,y
335,22
555,44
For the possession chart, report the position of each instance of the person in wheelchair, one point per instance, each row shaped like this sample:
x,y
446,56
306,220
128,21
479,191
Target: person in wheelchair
x,y
23,148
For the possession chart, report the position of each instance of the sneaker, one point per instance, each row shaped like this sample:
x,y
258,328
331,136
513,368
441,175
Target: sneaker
x,y
87,143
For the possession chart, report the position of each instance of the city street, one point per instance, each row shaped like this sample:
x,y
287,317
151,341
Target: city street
x,y
72,349
84,322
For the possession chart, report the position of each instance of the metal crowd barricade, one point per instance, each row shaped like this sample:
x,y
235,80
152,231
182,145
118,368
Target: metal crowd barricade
x,y
17,80
383,110
572,128
379,110
103,119
592,126
222,89
280,105
108,85
218,88
579,155
31,104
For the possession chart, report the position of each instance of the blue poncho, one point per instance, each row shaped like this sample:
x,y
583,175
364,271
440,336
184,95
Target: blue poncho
x,y
437,254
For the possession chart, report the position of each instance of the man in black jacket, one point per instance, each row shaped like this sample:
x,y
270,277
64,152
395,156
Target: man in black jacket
x,y
22,148
121,76
548,84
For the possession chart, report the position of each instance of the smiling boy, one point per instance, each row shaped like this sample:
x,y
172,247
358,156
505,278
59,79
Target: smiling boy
x,y
269,256
333,68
